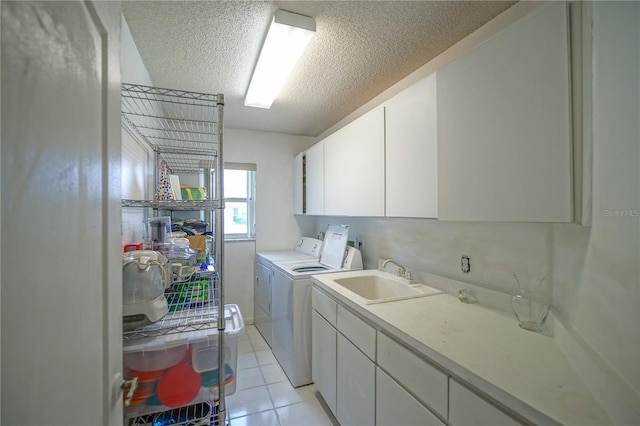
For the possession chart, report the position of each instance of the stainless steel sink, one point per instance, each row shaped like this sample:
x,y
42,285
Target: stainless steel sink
x,y
378,287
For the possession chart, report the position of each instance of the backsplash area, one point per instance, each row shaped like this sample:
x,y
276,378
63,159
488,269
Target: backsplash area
x,y
496,251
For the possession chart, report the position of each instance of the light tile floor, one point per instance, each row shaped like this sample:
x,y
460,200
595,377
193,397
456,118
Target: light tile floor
x,y
264,396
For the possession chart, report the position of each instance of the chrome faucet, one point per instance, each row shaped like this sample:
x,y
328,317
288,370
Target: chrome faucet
x,y
401,269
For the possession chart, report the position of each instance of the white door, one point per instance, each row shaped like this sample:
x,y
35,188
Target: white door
x,y
61,216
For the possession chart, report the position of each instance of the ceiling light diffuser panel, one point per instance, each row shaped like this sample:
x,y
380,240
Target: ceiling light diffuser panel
x,y
288,36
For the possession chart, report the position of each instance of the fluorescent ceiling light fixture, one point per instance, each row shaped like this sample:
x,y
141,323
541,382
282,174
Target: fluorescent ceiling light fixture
x,y
287,38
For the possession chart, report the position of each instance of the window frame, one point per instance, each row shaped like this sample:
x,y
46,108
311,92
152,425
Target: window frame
x,y
249,200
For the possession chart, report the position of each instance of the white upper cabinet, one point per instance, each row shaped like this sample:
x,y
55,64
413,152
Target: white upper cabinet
x,y
298,184
504,125
314,180
412,151
354,167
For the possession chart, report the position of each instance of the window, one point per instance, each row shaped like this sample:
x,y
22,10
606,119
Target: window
x,y
239,196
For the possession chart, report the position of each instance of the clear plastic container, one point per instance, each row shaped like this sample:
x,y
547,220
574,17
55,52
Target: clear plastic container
x,y
156,233
200,357
155,359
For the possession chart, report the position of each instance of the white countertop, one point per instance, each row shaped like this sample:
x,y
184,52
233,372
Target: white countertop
x,y
525,371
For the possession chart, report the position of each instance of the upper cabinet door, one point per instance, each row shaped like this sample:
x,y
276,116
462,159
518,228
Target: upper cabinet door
x,y
299,184
354,167
504,135
314,180
412,151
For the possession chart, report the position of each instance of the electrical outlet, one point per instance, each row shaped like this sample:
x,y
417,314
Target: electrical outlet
x,y
465,263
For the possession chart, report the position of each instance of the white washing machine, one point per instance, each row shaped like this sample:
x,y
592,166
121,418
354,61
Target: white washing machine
x,y
305,249
291,296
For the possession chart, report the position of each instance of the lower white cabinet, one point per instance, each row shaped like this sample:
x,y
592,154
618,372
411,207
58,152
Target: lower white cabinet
x,y
367,377
343,374
427,383
323,362
467,408
355,385
396,407
344,353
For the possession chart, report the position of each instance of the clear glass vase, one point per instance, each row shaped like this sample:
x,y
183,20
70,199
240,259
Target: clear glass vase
x,y
530,303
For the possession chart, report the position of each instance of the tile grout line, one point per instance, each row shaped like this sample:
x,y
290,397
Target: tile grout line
x,y
266,385
273,404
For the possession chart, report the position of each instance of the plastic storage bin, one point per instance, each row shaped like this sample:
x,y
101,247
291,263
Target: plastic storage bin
x,y
181,369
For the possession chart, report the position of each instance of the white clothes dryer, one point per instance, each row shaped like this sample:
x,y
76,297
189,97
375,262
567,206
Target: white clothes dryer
x,y
305,249
291,296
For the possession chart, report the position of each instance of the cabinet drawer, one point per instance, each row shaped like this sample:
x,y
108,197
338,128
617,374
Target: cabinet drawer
x,y
325,306
467,408
396,407
427,383
358,332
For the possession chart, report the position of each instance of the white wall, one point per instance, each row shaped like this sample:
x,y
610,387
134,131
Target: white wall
x,y
132,68
601,300
137,177
137,184
497,250
239,276
273,153
276,226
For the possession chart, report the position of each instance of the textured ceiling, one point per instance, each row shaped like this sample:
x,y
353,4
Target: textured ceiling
x,y
360,49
